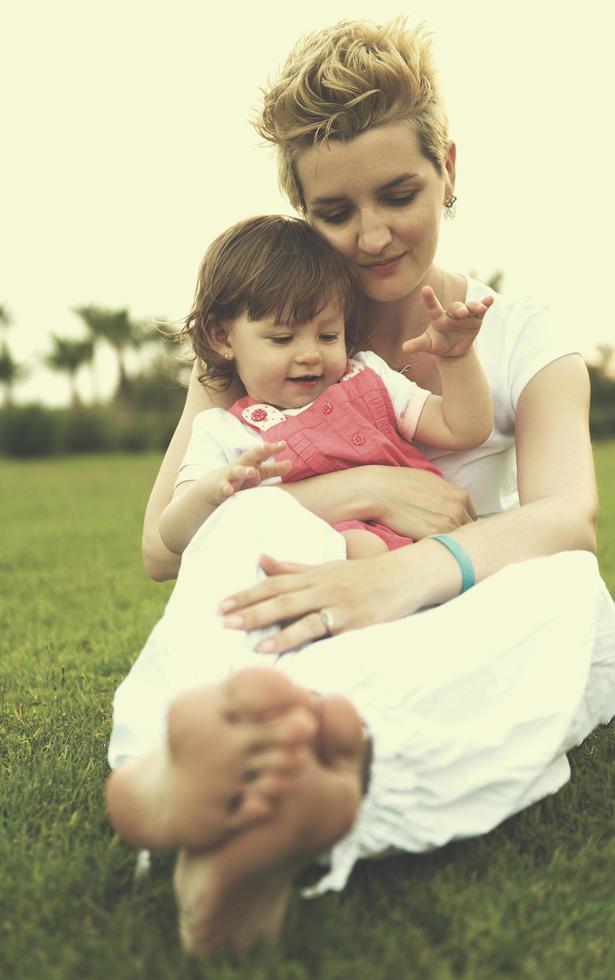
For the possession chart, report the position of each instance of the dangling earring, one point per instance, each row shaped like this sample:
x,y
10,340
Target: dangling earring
x,y
449,208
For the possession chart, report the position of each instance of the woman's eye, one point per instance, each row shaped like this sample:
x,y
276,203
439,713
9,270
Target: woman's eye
x,y
399,202
336,218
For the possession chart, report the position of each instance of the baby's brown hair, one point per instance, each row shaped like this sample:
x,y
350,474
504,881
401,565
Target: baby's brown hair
x,y
268,266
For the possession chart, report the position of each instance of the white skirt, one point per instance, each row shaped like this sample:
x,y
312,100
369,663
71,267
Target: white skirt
x,y
471,705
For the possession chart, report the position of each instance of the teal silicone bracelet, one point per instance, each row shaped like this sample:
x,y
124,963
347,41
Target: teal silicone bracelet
x,y
468,575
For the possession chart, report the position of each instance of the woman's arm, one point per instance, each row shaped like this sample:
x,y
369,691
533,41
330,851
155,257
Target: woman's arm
x,y
160,563
417,503
557,513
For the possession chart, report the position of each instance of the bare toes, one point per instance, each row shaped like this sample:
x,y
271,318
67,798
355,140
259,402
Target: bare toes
x,y
284,759
260,691
245,809
295,727
341,738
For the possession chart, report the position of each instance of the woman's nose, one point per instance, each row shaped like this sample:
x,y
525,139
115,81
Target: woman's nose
x,y
374,234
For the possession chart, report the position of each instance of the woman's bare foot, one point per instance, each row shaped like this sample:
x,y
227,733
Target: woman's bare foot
x,y
232,751
238,891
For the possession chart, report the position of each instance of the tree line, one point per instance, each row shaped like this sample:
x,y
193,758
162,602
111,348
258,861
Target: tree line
x,y
67,355
142,411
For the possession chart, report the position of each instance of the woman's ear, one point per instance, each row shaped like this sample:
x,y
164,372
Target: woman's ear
x,y
217,338
450,170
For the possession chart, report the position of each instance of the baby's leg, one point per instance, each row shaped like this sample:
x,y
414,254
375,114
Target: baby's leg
x,y
363,544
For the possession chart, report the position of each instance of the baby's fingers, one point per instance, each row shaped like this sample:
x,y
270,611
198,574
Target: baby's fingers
x,y
267,470
258,454
457,311
478,310
475,309
417,345
235,478
431,302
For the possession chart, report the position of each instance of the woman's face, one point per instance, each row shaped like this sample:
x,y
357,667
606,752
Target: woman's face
x,y
378,200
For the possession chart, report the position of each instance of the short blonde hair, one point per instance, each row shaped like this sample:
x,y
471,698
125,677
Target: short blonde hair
x,y
344,79
271,265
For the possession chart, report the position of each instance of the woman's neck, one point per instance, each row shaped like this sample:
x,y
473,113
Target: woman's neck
x,y
390,324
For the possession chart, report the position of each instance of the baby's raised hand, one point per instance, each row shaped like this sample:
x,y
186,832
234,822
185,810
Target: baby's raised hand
x,y
252,467
451,332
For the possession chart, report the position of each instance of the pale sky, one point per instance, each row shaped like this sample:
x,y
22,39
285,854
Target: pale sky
x,y
127,147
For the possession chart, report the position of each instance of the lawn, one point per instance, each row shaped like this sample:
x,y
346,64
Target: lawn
x,y
534,899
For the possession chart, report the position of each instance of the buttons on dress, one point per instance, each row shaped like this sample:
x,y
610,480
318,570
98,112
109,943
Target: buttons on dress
x,y
262,416
358,439
327,408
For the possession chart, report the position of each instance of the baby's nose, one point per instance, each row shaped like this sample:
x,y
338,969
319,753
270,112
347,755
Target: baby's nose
x,y
309,355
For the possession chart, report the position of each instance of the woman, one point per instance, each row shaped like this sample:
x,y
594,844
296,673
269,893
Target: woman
x,y
469,707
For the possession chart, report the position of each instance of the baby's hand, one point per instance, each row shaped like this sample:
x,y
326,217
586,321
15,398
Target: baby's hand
x,y
251,468
451,332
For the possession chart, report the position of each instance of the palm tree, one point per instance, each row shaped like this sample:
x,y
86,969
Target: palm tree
x,y
69,355
495,281
10,372
5,317
116,327
605,357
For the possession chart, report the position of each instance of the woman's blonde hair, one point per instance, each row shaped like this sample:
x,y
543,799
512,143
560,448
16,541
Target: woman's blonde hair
x,y
268,266
342,80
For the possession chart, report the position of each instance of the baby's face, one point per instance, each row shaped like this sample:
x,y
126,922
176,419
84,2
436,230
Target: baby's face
x,y
288,366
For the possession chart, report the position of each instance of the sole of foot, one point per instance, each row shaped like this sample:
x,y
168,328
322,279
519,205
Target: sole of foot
x,y
232,751
237,892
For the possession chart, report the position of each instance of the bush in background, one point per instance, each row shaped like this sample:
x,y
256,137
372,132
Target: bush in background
x,y
602,412
33,430
30,430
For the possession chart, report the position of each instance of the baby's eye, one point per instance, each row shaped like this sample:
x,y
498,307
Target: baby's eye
x,y
329,338
286,339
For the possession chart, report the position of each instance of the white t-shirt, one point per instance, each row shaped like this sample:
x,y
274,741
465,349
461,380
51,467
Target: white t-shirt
x,y
517,339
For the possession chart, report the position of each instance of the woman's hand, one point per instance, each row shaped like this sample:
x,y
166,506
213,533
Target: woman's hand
x,y
295,595
417,503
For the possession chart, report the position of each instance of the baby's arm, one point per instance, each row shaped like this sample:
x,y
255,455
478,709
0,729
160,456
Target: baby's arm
x,y
462,417
194,500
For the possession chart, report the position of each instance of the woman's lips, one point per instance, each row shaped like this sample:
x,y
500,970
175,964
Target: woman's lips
x,y
384,268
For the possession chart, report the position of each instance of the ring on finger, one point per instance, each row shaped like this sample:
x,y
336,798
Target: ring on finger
x,y
327,621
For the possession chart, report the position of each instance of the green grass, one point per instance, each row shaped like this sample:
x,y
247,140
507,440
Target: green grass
x,y
534,899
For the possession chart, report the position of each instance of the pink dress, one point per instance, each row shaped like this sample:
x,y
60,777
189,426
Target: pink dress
x,y
352,423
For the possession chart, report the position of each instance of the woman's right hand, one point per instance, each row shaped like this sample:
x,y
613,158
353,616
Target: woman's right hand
x,y
416,503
